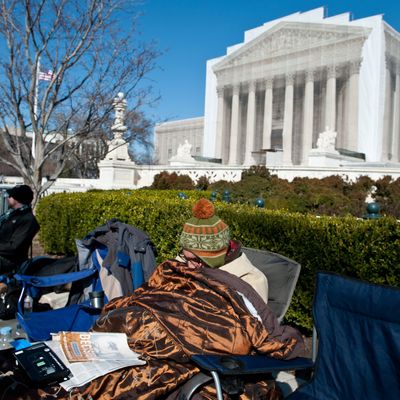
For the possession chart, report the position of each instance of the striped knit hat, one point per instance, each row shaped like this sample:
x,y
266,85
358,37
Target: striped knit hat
x,y
206,235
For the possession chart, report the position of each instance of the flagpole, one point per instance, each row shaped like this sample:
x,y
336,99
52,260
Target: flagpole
x,y
35,106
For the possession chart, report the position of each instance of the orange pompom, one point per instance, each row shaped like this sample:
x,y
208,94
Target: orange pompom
x,y
203,209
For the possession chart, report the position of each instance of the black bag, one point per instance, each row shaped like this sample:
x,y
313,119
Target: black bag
x,y
9,302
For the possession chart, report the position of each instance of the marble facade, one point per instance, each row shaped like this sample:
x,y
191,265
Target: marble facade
x,y
270,97
171,135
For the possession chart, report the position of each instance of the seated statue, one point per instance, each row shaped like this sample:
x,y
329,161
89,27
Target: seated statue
x,y
327,140
184,150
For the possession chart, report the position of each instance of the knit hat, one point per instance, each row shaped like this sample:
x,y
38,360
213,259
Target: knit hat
x,y
206,235
22,193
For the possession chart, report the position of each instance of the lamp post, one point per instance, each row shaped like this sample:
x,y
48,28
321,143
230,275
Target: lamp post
x,y
226,196
373,211
260,202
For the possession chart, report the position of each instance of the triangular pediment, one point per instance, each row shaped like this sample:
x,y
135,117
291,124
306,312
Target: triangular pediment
x,y
287,38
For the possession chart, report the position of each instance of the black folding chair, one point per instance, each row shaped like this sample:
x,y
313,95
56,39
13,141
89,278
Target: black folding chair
x,y
282,274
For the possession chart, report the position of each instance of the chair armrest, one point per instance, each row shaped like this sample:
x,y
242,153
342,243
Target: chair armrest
x,y
54,280
248,365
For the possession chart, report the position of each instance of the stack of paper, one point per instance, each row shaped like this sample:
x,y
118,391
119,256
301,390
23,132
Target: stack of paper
x,y
89,355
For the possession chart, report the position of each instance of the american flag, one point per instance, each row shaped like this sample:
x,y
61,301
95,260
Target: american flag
x,y
46,76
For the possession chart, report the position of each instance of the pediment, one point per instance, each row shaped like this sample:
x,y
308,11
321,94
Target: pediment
x,y
287,38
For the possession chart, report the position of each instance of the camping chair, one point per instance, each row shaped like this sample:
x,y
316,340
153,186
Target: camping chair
x,y
75,317
358,327
133,259
282,274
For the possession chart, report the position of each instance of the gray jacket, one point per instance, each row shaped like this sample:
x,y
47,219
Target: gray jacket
x,y
122,245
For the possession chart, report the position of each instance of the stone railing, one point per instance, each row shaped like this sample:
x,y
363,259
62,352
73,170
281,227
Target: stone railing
x,y
140,176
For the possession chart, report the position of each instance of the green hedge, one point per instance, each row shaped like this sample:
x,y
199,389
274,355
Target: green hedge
x,y
369,250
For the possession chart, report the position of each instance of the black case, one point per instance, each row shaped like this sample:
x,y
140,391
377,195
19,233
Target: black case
x,y
42,365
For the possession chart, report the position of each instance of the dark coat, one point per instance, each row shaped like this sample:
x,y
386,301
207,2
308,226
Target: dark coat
x,y
16,235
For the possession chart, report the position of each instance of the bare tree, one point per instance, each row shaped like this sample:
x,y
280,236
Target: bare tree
x,y
90,50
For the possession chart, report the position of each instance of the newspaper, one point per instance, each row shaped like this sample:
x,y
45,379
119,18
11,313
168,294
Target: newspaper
x,y
95,346
85,371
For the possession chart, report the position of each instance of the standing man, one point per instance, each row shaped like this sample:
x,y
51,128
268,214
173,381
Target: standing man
x,y
18,226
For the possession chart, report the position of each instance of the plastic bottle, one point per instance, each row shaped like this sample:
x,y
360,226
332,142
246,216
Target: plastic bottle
x,y
6,337
19,333
28,303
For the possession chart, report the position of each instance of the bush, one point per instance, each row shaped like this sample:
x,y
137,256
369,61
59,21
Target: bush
x,y
328,196
388,195
166,180
368,250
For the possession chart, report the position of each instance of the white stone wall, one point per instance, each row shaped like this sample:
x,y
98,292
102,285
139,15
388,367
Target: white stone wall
x,y
144,175
371,90
210,110
169,135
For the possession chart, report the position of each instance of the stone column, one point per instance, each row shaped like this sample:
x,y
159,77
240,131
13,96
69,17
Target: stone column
x,y
219,138
251,124
233,145
308,120
352,129
387,120
267,126
342,114
288,121
396,118
330,103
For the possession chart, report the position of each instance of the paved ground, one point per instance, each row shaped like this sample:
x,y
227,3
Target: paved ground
x,y
37,249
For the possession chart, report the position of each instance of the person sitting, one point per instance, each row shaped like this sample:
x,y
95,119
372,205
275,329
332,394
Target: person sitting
x,y
206,238
18,227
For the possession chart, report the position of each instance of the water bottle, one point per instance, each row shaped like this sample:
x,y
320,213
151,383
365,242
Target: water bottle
x,y
6,337
28,303
19,332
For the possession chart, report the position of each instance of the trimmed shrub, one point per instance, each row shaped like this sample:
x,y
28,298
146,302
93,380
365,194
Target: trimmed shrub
x,y
166,180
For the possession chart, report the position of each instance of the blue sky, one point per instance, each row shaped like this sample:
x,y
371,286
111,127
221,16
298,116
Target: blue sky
x,y
192,31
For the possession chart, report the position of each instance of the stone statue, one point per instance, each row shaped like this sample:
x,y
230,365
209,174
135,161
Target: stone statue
x,y
184,150
326,141
119,104
117,145
183,155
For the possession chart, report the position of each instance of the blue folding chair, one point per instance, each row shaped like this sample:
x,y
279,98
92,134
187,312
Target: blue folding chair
x,y
358,327
78,315
75,317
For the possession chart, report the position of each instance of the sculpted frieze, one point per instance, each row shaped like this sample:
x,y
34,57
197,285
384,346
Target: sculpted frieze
x,y
297,39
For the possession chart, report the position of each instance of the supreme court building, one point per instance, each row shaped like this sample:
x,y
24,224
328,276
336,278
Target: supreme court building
x,y
292,82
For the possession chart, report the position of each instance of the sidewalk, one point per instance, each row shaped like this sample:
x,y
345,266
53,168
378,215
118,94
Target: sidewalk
x,y
37,249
